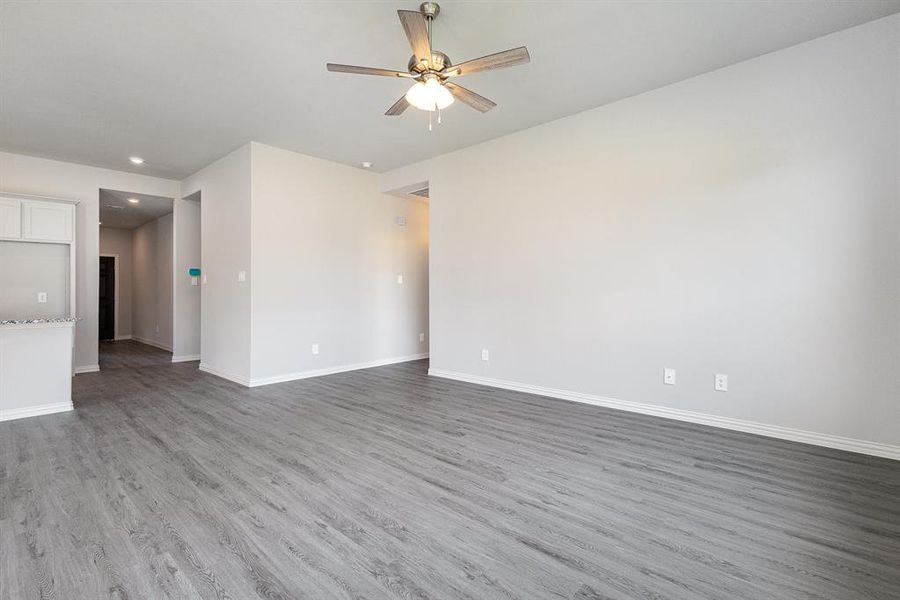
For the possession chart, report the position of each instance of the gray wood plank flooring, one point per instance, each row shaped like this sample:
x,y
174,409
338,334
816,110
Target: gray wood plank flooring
x,y
385,483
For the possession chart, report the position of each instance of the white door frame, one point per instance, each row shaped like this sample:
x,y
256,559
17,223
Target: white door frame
x,y
115,258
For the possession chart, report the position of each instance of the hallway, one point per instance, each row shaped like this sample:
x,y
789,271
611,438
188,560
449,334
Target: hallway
x,y
133,355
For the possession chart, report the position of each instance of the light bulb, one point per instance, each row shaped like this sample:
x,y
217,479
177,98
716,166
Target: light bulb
x,y
444,98
430,95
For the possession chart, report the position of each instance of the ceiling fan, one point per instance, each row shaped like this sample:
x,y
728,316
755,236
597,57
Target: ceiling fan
x,y
432,70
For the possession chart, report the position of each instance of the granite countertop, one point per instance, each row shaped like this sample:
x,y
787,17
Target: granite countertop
x,y
37,321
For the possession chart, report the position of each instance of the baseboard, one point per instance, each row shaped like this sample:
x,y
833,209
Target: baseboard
x,y
86,369
185,358
224,375
34,411
773,431
120,338
151,343
332,370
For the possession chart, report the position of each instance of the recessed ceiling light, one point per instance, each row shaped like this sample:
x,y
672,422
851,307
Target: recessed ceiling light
x,y
133,200
136,160
366,165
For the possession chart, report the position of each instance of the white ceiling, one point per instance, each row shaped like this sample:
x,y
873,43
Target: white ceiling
x,y
116,211
183,83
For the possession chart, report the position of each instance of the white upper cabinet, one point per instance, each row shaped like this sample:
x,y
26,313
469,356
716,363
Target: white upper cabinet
x,y
10,218
47,221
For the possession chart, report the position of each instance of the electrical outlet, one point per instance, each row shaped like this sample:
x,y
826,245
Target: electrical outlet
x,y
42,297
721,382
421,337
315,348
669,376
400,279
485,355
242,275
401,221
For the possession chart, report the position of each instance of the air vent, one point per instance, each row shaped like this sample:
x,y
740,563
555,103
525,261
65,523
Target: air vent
x,y
423,193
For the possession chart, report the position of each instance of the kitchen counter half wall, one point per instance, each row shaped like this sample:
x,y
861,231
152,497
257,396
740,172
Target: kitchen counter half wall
x,y
35,367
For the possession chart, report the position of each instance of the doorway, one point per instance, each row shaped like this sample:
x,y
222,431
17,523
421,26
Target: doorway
x,y
107,308
135,271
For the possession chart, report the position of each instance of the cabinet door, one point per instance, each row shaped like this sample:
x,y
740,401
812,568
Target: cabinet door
x,y
47,221
10,218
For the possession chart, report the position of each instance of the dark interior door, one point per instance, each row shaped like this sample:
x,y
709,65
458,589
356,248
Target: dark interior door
x,y
107,297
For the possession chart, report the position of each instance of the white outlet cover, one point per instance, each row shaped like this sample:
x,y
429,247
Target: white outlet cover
x,y
401,221
194,281
400,279
242,275
485,355
669,376
42,297
421,337
315,348
721,382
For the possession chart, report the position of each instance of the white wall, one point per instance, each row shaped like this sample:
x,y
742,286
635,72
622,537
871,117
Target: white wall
x,y
225,248
327,252
37,176
186,318
119,242
27,269
152,283
742,222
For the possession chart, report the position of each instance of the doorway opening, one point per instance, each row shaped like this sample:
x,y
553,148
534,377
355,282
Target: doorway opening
x,y
135,271
109,297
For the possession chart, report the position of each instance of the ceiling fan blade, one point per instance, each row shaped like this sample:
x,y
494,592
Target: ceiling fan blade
x,y
417,31
476,101
507,58
365,70
398,107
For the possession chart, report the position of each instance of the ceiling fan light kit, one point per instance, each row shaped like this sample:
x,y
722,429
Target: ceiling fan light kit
x,y
431,69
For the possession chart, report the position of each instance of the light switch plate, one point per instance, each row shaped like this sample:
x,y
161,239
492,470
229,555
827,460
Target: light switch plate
x,y
315,348
401,221
194,280
42,297
669,376
400,279
721,382
421,337
485,355
242,275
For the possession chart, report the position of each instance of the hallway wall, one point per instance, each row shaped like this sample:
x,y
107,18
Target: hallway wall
x,y
152,283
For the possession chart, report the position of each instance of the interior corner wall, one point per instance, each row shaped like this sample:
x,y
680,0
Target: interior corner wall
x,y
186,305
120,242
741,222
225,251
42,177
327,253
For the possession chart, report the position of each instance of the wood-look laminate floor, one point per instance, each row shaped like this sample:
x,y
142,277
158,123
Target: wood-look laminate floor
x,y
169,483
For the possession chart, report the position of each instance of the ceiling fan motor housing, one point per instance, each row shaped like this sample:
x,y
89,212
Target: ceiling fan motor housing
x,y
439,61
